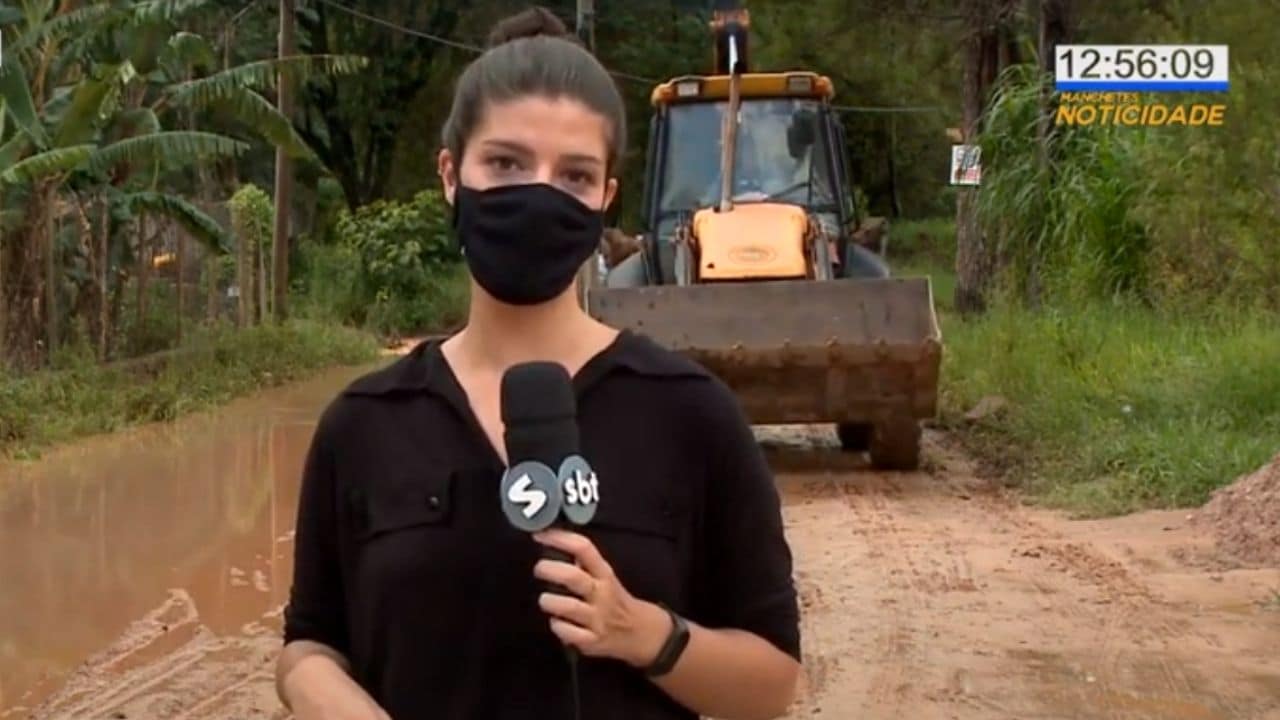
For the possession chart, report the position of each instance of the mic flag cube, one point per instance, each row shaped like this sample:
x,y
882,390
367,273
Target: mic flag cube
x,y
580,489
531,496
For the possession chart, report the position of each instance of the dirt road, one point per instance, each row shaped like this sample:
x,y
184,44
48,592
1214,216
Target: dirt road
x,y
929,595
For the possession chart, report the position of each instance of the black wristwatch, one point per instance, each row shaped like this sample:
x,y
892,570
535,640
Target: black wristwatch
x,y
672,648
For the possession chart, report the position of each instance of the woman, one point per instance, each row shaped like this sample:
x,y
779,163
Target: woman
x,y
413,597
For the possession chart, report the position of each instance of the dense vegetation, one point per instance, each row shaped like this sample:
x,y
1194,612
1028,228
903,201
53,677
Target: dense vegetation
x,y
1135,336
1129,277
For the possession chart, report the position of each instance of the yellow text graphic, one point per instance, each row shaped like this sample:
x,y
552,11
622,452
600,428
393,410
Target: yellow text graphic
x,y
1150,115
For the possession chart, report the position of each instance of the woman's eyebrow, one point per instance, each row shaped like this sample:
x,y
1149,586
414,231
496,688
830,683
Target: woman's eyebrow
x,y
581,158
509,145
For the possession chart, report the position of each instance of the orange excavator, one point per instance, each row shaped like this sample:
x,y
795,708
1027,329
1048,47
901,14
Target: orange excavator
x,y
748,261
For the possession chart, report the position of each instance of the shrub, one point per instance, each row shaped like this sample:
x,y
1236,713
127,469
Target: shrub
x,y
407,272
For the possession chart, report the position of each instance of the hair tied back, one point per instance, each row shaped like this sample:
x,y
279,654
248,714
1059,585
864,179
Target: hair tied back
x,y
534,22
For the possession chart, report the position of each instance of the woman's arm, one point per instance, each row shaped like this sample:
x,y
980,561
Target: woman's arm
x,y
725,673
312,672
743,657
313,681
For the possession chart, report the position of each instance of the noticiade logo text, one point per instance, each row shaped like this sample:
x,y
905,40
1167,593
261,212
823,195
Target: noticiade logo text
x,y
1131,109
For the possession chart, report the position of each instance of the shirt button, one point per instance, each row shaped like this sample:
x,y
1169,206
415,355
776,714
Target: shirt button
x,y
434,502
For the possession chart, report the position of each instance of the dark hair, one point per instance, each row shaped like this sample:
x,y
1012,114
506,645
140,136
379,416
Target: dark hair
x,y
533,53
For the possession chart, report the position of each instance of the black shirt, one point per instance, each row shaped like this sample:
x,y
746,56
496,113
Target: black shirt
x,y
405,563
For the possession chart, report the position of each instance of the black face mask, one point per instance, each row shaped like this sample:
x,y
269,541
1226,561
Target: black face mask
x,y
525,243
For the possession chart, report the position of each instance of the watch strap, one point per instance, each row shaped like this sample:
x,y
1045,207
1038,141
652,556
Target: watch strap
x,y
673,648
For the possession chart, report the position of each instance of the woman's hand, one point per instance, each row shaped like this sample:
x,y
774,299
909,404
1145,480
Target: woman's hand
x,y
317,688
604,620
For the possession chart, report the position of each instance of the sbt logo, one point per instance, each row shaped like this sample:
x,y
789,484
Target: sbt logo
x,y
581,488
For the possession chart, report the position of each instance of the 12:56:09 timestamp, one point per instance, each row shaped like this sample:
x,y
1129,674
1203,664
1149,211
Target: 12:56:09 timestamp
x,y
1155,67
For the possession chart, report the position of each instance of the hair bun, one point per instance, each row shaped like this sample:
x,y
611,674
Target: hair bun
x,y
533,22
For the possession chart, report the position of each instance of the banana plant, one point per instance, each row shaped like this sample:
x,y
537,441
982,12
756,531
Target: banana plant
x,y
88,94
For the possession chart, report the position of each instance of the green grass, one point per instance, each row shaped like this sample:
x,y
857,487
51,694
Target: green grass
x,y
1113,409
925,248
216,365
931,240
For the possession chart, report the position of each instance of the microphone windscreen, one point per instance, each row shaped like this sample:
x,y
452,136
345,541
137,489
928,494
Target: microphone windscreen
x,y
539,413
536,392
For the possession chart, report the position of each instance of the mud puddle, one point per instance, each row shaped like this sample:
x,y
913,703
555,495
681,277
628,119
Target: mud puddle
x,y
149,548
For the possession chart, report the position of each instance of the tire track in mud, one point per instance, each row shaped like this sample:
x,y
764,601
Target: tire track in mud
x,y
1144,619
1134,627
894,564
943,597
875,525
168,666
1125,609
925,595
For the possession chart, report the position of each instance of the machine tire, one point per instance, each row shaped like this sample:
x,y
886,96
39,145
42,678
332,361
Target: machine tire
x,y
630,273
862,263
854,437
895,446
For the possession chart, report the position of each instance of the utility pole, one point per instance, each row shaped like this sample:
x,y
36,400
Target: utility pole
x,y
587,23
284,171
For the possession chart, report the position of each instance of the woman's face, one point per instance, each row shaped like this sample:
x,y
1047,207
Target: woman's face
x,y
560,142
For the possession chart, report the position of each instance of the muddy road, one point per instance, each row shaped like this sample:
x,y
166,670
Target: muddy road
x,y
144,575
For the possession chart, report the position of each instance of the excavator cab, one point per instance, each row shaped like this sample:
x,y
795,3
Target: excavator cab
x,y
748,264
787,168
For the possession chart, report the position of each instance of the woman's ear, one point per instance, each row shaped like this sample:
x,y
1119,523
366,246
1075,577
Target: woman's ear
x,y
610,192
448,172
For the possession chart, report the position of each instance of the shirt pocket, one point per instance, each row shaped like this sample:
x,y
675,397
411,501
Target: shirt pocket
x,y
404,532
641,536
416,501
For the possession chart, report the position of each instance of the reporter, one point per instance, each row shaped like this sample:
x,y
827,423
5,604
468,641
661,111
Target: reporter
x,y
412,596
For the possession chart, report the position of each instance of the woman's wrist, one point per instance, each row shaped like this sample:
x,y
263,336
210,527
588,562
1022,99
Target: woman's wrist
x,y
650,629
307,672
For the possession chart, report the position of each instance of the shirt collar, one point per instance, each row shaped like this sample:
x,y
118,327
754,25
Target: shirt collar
x,y
424,370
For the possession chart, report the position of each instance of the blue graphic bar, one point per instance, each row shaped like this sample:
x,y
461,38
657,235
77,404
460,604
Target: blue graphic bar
x,y
1141,86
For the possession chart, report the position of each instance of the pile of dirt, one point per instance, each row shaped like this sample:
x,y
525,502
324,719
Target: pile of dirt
x,y
1245,516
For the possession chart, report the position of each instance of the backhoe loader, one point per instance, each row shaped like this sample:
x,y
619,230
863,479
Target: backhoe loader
x,y
747,261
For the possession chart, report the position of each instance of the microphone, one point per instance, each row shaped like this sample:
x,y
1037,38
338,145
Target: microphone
x,y
546,474
540,416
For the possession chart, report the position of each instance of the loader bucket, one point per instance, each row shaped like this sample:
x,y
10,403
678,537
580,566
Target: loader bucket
x,y
799,351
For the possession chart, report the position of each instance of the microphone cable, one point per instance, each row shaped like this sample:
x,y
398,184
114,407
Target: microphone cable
x,y
575,682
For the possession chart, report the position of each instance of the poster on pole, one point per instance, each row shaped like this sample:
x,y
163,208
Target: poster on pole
x,y
966,164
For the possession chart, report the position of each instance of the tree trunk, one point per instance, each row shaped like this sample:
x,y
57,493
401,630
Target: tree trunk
x,y
4,300
260,282
975,262
894,196
969,296
50,272
102,246
244,280
1055,23
211,298
117,308
144,278
25,323
284,178
182,305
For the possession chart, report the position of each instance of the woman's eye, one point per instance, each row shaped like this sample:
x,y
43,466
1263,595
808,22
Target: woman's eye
x,y
578,177
503,163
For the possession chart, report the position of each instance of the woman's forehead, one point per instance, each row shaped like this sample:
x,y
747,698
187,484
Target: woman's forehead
x,y
545,126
